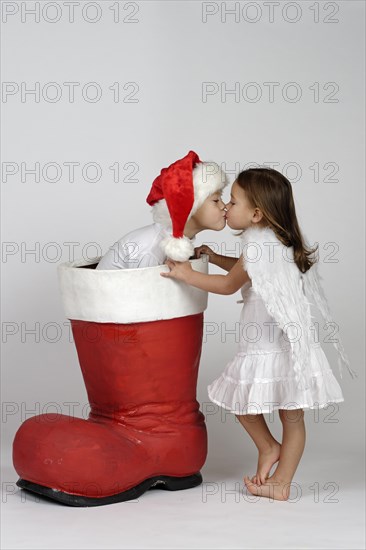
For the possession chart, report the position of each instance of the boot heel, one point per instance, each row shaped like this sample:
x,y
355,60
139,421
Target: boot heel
x,y
170,483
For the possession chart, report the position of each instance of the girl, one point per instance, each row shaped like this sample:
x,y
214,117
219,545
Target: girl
x,y
282,367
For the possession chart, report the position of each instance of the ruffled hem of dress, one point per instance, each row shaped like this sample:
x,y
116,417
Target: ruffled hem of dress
x,y
245,410
258,394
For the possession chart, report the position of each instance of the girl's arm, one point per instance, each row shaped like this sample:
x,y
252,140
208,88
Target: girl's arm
x,y
218,284
225,262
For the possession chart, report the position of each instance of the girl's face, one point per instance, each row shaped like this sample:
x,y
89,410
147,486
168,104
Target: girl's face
x,y
240,213
211,215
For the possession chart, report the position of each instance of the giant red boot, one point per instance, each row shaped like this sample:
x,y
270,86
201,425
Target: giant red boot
x,y
138,337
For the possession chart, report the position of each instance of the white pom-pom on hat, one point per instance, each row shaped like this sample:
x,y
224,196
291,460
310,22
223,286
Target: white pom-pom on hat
x,y
178,249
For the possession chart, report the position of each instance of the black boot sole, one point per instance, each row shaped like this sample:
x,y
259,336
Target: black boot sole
x,y
168,483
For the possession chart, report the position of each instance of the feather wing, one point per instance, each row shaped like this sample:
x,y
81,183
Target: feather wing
x,y
276,278
314,290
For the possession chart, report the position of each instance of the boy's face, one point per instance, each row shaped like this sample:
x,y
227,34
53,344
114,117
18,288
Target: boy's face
x,y
211,215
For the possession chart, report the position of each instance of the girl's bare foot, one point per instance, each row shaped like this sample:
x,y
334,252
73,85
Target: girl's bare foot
x,y
273,488
265,463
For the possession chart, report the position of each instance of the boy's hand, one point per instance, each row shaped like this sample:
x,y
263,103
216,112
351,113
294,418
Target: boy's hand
x,y
204,249
178,270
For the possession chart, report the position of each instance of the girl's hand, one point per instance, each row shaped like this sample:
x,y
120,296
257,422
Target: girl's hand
x,y
204,249
178,270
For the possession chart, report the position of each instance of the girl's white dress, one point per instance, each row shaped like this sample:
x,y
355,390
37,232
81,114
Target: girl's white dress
x,y
261,378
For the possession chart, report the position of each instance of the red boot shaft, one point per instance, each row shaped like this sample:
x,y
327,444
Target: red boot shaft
x,y
145,424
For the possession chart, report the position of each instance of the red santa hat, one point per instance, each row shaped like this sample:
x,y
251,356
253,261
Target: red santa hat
x,y
177,193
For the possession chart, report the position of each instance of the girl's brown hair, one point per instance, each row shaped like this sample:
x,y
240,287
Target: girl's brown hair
x,y
271,192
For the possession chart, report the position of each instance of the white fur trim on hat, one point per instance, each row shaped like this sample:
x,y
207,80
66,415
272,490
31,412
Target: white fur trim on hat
x,y
207,179
179,249
160,213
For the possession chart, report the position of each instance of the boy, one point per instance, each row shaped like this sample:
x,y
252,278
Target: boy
x,y
185,199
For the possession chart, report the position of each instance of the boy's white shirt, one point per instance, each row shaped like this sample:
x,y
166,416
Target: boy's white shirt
x,y
138,248
286,292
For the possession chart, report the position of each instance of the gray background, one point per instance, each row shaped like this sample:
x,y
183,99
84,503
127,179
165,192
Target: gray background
x,y
170,52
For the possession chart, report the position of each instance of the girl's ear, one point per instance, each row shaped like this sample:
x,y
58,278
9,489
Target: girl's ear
x,y
258,214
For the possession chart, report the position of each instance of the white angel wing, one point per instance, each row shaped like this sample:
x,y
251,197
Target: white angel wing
x,y
314,290
276,278
286,293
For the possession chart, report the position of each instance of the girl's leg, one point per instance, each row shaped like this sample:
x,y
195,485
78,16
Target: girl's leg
x,y
293,442
268,447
